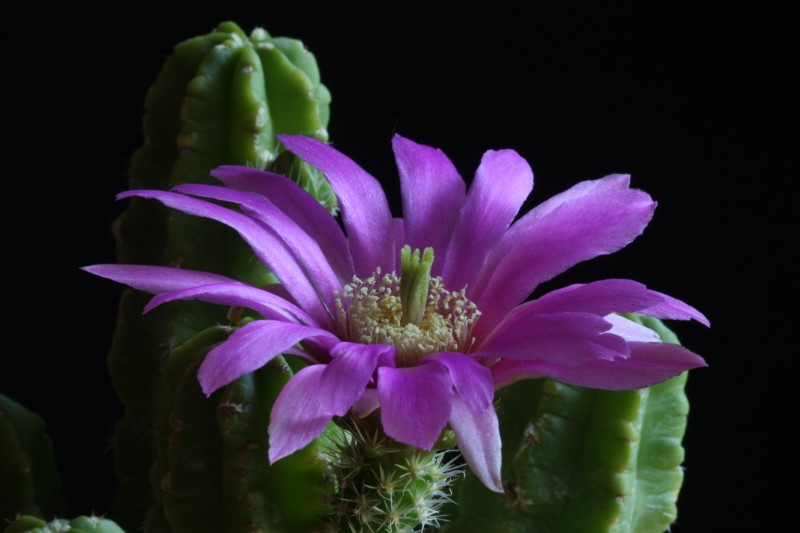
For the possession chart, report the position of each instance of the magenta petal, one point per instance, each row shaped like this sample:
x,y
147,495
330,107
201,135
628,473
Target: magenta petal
x,y
249,348
564,338
478,437
350,371
544,243
599,297
301,246
432,191
472,380
368,402
269,305
365,211
297,417
270,249
648,364
300,206
674,309
415,403
502,182
156,279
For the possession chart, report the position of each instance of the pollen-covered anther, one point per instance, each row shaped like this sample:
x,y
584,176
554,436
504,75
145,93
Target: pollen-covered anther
x,y
370,311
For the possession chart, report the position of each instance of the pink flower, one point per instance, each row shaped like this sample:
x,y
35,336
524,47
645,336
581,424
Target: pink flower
x,y
426,337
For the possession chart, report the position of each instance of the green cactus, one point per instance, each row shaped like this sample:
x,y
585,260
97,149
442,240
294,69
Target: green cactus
x,y
82,524
211,472
219,99
29,480
577,459
386,487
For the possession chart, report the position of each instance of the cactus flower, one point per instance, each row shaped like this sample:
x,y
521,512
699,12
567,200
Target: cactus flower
x,y
421,316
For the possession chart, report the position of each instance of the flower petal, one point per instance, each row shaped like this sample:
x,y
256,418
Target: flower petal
x,y
478,437
570,339
303,248
502,182
472,380
298,205
545,242
415,403
270,249
630,330
599,297
432,192
269,305
347,375
365,211
648,364
250,348
674,309
156,279
297,417
368,402
614,296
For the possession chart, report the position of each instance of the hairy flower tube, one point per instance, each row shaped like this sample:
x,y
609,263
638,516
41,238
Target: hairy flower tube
x,y
421,317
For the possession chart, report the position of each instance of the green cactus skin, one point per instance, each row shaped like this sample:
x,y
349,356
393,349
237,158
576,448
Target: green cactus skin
x,y
219,99
29,480
212,472
584,460
82,524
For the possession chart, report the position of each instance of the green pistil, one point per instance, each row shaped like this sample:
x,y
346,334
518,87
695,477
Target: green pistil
x,y
415,281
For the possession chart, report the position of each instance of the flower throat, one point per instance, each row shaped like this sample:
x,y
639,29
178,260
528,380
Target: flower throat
x,y
413,312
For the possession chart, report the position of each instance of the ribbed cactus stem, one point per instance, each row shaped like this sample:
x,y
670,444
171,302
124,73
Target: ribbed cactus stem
x,y
386,487
578,459
219,99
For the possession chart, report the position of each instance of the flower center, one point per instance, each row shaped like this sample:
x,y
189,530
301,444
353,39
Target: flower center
x,y
413,312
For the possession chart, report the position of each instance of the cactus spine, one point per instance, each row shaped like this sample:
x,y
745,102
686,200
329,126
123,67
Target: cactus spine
x,y
586,460
219,99
386,487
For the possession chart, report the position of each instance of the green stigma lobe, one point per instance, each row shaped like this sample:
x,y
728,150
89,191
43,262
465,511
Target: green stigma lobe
x,y
415,281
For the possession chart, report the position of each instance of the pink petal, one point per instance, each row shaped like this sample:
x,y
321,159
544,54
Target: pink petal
x,y
674,309
302,247
365,211
269,305
432,191
249,348
472,380
565,338
648,364
614,296
156,279
270,249
297,417
368,402
501,184
478,437
415,403
350,371
298,205
630,330
545,242
599,297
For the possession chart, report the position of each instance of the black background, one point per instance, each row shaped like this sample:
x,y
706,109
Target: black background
x,y
694,103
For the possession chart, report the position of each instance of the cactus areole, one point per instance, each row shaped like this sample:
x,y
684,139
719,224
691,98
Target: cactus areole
x,y
421,317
